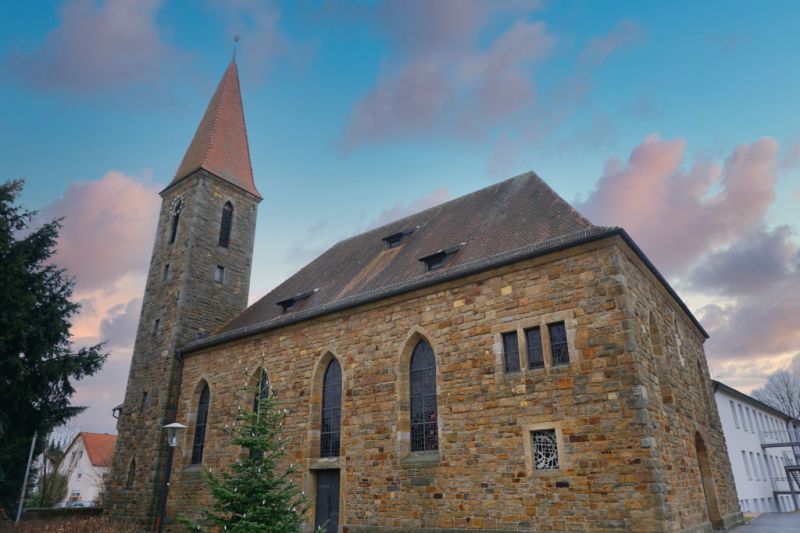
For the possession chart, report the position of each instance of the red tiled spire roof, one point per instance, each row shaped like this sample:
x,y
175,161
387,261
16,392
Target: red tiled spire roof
x,y
220,142
99,447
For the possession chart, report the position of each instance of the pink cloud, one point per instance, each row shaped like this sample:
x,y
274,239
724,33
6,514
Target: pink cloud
x,y
673,213
625,33
440,78
95,46
108,228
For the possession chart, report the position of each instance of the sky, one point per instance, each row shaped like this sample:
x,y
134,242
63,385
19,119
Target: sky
x,y
679,121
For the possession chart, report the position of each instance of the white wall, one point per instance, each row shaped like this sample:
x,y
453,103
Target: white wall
x,y
85,479
760,471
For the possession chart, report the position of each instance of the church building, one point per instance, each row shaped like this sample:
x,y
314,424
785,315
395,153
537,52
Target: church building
x,y
495,363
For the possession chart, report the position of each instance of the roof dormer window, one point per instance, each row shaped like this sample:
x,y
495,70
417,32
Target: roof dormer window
x,y
396,239
438,259
288,303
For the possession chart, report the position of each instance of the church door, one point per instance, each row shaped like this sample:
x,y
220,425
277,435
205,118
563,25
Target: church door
x,y
327,515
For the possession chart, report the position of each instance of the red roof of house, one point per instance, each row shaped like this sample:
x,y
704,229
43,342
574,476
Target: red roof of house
x,y
220,144
99,447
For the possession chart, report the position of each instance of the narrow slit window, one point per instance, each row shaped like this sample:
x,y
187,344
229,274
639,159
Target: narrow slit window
x,y
176,215
156,325
166,273
330,426
131,473
511,351
533,342
219,274
200,426
144,402
225,224
545,450
558,343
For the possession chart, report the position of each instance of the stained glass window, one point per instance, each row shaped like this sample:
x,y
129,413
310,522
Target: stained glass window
x,y
545,450
511,351
200,426
533,342
330,430
558,343
424,415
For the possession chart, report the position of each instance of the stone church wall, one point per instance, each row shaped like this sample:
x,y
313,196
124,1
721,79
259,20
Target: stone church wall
x,y
185,300
614,474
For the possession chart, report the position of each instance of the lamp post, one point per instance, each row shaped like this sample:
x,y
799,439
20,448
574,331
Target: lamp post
x,y
172,441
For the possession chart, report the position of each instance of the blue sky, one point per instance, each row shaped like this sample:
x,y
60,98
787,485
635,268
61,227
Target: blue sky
x,y
362,112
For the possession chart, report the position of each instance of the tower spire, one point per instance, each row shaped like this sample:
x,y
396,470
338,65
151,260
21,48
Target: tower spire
x,y
220,143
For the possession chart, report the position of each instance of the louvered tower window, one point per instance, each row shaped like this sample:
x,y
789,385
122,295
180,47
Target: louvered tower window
x,y
200,426
225,225
424,415
330,427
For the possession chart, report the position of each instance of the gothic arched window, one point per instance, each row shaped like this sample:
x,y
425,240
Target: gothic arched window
x,y
131,473
262,391
200,426
424,415
177,205
330,427
225,225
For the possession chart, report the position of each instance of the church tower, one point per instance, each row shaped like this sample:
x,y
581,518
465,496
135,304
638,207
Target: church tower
x,y
199,278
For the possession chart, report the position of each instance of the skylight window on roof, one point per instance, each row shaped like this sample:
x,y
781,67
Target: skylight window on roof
x,y
288,303
438,259
396,239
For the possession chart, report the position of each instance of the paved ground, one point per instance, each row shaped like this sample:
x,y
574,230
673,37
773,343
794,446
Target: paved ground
x,y
772,523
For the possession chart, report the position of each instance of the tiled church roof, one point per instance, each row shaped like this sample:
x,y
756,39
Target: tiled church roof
x,y
220,142
510,221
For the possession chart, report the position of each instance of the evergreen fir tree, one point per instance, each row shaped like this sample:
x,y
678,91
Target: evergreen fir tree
x,y
255,495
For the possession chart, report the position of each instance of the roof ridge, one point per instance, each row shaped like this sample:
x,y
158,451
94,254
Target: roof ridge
x,y
440,206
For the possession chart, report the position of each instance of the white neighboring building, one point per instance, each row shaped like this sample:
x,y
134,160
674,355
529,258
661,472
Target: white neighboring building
x,y
758,437
88,458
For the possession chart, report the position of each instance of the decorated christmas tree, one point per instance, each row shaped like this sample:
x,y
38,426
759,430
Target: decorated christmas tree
x,y
255,494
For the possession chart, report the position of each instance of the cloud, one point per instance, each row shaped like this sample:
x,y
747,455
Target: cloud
x,y
107,230
119,325
748,267
440,78
400,209
678,215
96,46
597,51
256,22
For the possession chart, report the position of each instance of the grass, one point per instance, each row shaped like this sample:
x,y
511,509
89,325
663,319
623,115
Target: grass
x,y
97,524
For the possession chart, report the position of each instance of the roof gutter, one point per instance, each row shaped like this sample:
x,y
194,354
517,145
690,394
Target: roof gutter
x,y
475,267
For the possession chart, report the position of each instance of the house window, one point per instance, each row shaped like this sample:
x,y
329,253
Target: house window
x,y
219,274
533,342
330,426
511,351
200,426
735,418
558,343
225,224
747,466
424,415
166,272
750,420
544,446
741,416
131,473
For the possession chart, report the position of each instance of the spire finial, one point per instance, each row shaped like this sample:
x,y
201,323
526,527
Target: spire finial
x,y
235,45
